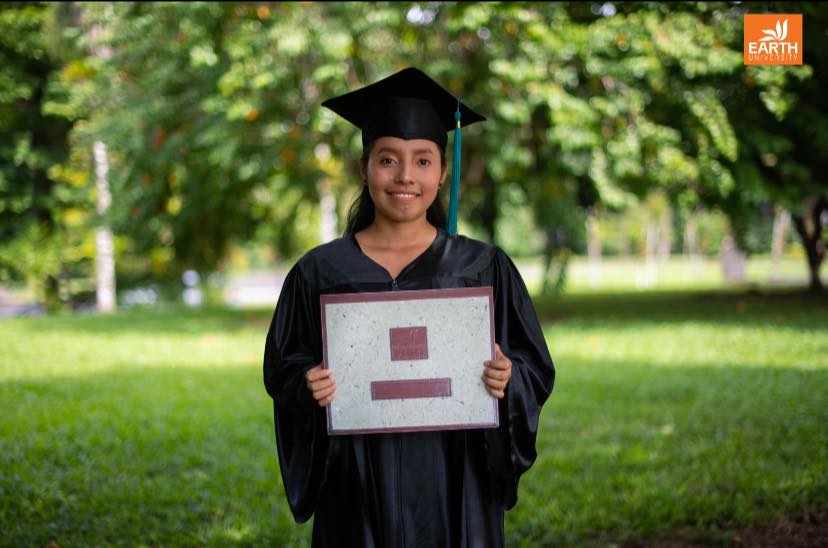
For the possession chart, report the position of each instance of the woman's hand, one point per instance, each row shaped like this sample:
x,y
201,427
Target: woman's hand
x,y
497,373
321,385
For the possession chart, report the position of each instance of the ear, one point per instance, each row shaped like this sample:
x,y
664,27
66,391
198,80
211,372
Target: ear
x,y
363,170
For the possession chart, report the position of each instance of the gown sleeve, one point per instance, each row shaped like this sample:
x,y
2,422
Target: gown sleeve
x,y
293,346
510,448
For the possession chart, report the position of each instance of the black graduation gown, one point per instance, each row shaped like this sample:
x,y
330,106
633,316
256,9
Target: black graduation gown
x,y
409,489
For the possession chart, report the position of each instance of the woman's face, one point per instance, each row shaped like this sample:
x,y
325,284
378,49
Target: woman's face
x,y
403,176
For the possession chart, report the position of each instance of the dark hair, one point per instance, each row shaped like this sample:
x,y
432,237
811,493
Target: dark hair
x,y
361,212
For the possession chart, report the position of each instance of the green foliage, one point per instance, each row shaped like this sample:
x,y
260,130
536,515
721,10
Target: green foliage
x,y
776,113
211,114
41,201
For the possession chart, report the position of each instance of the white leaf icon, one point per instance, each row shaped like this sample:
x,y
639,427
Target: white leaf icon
x,y
767,38
770,33
778,30
784,30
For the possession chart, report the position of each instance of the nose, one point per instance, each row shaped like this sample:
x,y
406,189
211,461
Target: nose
x,y
405,173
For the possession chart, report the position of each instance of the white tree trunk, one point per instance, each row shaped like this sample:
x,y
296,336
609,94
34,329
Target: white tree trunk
x,y
625,245
781,224
692,256
327,213
104,248
691,237
665,236
646,277
733,259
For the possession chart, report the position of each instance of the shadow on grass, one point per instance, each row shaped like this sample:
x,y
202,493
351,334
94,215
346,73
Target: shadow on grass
x,y
165,319
794,308
630,451
182,456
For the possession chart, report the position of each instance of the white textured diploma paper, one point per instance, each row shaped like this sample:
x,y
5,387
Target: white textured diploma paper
x,y
409,360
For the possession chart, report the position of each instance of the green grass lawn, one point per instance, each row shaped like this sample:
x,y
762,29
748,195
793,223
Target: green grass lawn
x,y
693,412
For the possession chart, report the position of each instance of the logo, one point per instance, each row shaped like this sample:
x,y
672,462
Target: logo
x,y
409,343
773,39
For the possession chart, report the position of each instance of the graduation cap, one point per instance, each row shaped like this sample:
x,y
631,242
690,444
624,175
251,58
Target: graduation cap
x,y
409,105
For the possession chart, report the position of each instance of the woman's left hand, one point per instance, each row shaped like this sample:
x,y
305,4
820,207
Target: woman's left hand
x,y
497,373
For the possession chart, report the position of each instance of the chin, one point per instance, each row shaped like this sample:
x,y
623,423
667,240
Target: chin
x,y
405,218
402,216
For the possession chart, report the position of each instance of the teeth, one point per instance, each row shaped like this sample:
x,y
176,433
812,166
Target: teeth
x,y
401,195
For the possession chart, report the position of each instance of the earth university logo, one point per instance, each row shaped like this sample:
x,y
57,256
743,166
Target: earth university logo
x,y
773,39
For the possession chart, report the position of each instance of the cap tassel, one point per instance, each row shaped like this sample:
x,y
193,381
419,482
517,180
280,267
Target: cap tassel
x,y
454,199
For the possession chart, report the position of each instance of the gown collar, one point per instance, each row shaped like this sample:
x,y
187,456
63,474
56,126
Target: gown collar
x,y
437,243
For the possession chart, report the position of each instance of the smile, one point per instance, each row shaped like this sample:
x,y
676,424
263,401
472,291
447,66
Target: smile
x,y
403,195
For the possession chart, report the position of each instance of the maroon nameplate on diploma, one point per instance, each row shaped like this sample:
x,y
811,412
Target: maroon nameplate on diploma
x,y
409,360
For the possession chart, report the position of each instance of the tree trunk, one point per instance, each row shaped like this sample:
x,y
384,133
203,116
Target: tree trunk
x,y
664,236
476,176
51,292
646,277
554,243
810,232
104,248
625,243
593,248
733,259
691,249
546,287
781,224
327,213
691,237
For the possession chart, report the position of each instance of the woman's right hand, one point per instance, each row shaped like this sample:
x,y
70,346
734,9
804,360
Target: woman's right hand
x,y
321,385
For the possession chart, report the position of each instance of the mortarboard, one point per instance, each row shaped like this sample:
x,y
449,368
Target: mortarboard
x,y
409,105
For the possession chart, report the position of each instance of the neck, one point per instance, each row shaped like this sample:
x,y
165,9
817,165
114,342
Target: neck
x,y
391,234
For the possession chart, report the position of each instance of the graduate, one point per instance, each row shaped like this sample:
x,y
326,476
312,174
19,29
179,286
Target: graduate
x,y
436,488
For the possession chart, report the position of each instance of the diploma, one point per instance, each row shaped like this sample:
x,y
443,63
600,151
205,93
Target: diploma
x,y
409,360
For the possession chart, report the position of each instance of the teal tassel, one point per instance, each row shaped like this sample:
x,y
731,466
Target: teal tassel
x,y
454,200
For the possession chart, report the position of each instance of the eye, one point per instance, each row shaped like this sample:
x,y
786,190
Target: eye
x,y
387,161
423,162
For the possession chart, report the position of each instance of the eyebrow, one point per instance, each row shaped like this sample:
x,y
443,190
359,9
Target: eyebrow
x,y
397,151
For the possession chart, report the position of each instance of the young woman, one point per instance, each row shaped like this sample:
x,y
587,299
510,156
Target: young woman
x,y
445,488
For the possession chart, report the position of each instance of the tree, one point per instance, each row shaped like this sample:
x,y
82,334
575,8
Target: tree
x,y
41,199
779,115
591,108
796,170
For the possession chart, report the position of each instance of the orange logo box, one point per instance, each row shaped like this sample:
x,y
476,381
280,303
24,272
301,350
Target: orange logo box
x,y
773,39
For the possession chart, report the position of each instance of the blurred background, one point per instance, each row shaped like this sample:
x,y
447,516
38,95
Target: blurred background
x,y
627,146
166,163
